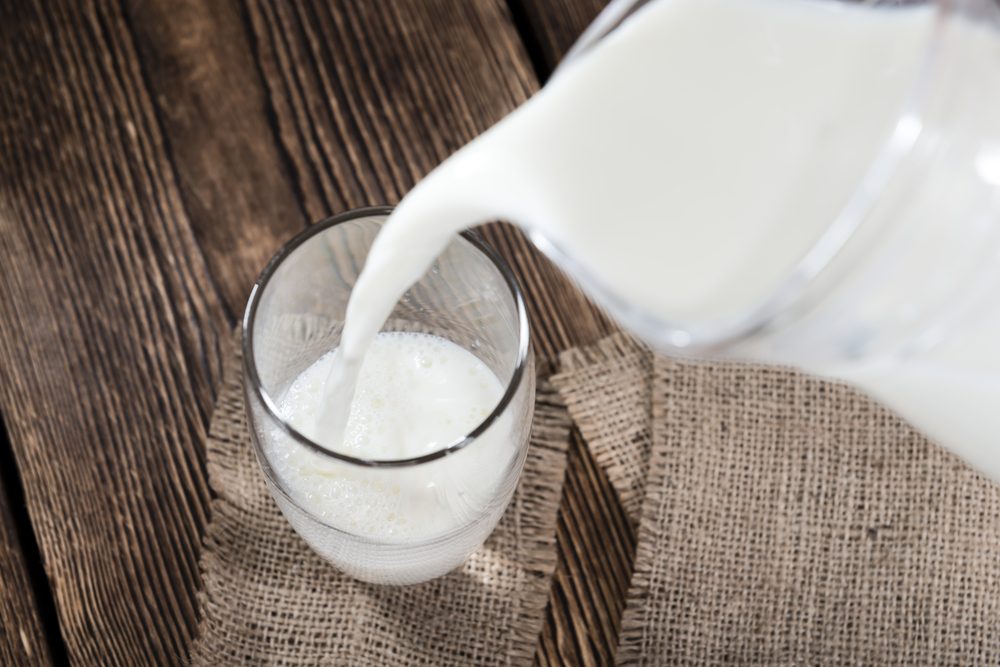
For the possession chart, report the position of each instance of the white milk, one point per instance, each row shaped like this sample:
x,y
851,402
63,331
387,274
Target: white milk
x,y
688,161
417,393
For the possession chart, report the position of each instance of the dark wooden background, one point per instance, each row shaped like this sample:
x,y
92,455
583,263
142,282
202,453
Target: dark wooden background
x,y
153,155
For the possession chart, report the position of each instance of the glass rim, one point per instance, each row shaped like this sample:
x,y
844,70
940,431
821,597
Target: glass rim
x,y
252,382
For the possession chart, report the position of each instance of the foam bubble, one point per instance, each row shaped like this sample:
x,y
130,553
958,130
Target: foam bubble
x,y
415,393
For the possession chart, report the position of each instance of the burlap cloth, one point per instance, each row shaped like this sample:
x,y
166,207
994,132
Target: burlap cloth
x,y
787,520
269,600
607,388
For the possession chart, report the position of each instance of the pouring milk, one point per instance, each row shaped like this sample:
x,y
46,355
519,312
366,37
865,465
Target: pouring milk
x,y
683,166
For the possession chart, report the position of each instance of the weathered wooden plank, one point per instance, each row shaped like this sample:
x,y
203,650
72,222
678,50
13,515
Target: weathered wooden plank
x,y
22,641
110,353
199,66
126,164
551,26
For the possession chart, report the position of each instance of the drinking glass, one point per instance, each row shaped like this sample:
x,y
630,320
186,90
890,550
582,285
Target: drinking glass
x,y
295,315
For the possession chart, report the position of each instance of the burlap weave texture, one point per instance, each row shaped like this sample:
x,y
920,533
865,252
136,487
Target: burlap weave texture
x,y
269,600
788,520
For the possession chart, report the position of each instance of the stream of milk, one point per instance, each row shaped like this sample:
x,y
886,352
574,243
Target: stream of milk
x,y
686,162
416,394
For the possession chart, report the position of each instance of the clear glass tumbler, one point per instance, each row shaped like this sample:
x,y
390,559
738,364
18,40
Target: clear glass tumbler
x,y
295,316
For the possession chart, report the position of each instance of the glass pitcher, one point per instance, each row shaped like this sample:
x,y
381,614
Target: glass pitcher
x,y
900,295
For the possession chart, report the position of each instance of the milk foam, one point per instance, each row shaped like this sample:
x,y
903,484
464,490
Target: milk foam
x,y
417,393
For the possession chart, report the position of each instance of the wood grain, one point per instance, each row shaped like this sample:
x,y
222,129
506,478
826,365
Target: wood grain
x,y
111,324
199,66
551,26
155,154
22,641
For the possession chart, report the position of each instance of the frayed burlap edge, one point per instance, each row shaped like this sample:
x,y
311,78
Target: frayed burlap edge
x,y
649,533
610,347
629,483
550,443
550,434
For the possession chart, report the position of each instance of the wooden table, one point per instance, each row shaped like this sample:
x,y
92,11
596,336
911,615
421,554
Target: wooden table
x,y
153,155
